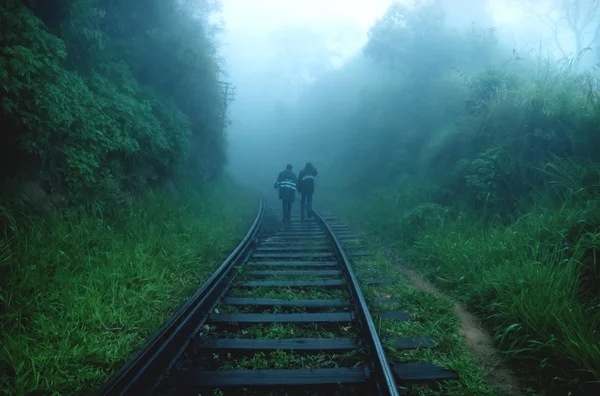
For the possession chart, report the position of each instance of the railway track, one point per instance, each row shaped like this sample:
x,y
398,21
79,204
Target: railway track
x,y
283,315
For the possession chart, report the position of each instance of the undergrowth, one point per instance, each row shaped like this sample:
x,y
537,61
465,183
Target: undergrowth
x,y
80,294
534,281
498,204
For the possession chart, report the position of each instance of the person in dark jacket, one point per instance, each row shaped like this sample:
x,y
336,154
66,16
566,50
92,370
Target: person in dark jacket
x,y
286,183
306,188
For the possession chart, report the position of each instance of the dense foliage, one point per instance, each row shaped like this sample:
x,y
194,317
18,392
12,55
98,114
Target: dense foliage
x,y
109,104
109,95
481,165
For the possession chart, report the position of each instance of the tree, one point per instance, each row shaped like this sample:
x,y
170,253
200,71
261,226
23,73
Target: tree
x,y
581,18
103,94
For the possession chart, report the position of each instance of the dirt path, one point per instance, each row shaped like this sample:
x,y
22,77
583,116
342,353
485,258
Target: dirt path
x,y
478,340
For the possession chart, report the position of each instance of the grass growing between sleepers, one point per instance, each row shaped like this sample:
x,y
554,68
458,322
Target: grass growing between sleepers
x,y
290,360
283,359
79,295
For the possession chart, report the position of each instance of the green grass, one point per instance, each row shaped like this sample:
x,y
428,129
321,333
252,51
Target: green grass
x,y
276,331
432,316
81,294
290,360
529,292
283,359
534,282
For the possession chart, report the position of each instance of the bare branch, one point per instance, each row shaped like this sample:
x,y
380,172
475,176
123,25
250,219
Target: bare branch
x,y
557,40
577,15
591,14
547,20
596,36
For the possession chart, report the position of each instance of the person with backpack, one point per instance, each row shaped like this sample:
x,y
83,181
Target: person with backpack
x,y
306,188
286,183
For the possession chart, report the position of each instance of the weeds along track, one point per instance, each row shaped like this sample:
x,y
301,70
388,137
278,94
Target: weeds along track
x,y
283,315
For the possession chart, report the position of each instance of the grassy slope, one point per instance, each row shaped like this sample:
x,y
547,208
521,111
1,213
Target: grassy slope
x,y
81,294
524,281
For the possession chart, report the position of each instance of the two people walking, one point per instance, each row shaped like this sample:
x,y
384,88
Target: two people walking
x,y
289,185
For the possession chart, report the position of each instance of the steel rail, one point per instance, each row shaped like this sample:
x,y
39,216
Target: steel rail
x,y
382,373
141,374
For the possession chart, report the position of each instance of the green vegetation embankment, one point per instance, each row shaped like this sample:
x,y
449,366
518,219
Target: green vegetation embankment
x,y
479,166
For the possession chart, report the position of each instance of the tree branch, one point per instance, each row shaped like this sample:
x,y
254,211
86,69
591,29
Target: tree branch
x,y
576,20
596,36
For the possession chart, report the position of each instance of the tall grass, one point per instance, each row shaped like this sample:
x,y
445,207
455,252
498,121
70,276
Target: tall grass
x,y
529,289
78,295
535,282
516,235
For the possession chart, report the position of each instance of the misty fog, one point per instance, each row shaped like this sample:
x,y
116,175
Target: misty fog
x,y
456,152
300,70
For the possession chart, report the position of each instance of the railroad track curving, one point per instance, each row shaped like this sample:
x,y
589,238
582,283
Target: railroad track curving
x,y
283,315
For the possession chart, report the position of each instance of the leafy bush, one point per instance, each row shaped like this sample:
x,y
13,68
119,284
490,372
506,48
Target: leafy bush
x,y
78,102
